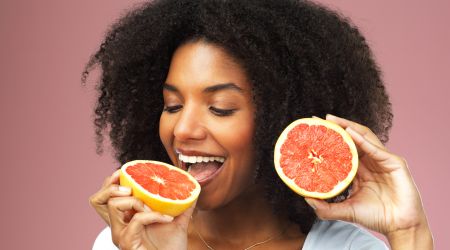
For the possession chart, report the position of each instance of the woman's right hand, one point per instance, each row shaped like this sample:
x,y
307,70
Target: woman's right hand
x,y
134,225
147,229
110,188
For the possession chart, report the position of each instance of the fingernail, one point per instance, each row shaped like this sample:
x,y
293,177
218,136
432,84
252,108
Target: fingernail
x,y
167,217
116,174
331,116
124,189
310,204
146,208
316,117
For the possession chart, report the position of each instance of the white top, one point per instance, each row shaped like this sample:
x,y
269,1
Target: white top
x,y
324,235
340,235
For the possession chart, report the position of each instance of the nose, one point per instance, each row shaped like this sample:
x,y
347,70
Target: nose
x,y
190,125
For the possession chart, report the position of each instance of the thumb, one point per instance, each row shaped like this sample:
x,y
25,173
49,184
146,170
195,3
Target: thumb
x,y
332,211
184,218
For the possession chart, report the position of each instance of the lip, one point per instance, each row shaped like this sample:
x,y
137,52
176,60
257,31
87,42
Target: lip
x,y
193,153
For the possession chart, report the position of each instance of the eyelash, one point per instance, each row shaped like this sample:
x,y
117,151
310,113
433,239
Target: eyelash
x,y
172,109
222,112
214,110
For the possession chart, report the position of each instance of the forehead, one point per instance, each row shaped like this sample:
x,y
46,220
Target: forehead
x,y
202,64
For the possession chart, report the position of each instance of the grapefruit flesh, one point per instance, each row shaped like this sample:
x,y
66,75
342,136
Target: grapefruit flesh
x,y
316,158
162,187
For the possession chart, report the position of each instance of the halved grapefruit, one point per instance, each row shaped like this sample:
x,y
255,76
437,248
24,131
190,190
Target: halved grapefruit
x,y
316,158
162,187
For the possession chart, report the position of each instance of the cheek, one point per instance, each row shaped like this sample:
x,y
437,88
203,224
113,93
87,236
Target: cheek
x,y
244,138
238,138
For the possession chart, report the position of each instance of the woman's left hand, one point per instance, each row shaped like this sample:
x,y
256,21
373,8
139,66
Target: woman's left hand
x,y
384,197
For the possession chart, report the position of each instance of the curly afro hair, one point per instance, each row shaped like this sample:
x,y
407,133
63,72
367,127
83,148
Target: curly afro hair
x,y
301,58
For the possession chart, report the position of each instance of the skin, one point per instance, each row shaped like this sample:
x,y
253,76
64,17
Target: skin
x,y
202,107
384,197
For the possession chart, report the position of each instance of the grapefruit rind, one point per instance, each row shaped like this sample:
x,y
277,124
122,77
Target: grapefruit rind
x,y
154,201
342,185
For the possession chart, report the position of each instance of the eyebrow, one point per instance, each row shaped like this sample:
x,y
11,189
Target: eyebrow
x,y
210,89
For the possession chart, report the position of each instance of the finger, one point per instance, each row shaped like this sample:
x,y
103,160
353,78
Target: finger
x,y
118,209
384,160
146,218
184,218
122,204
102,196
100,199
136,227
373,151
113,179
363,130
332,211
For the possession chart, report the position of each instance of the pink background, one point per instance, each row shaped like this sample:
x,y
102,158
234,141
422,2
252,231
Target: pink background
x,y
49,166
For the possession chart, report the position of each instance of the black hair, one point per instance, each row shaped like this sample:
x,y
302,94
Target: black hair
x,y
301,59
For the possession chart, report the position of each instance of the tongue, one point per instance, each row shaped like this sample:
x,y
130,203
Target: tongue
x,y
203,170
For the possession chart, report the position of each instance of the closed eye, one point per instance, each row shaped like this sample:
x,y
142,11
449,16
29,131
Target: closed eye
x,y
172,109
222,112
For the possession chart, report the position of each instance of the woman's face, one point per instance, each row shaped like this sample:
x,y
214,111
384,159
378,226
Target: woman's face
x,y
208,121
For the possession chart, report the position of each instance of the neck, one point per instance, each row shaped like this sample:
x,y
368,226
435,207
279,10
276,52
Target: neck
x,y
247,219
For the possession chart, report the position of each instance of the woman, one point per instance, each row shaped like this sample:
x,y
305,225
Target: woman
x,y
223,78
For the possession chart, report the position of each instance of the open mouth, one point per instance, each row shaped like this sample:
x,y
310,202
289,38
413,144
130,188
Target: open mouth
x,y
202,168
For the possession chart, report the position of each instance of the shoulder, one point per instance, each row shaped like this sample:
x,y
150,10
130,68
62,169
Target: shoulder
x,y
104,241
334,235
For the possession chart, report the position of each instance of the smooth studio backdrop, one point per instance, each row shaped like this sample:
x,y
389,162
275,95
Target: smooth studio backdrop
x,y
49,167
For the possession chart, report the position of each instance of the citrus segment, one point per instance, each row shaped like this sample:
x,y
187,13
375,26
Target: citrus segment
x,y
316,158
162,187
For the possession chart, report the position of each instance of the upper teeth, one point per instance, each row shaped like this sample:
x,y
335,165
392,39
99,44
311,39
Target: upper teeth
x,y
197,159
